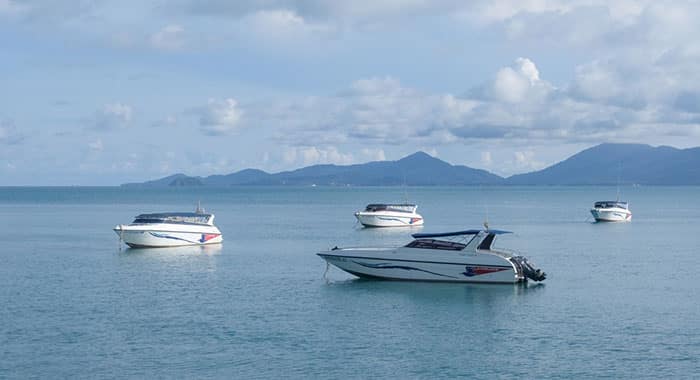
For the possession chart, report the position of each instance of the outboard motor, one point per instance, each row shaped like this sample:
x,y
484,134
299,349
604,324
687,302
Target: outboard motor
x,y
530,271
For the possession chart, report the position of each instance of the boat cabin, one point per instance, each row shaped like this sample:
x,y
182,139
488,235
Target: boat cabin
x,y
404,207
610,204
478,239
175,218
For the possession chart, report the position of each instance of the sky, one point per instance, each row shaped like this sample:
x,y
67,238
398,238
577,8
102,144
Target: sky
x,y
108,92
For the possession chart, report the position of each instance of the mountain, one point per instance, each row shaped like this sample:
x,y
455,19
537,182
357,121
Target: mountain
x,y
243,177
173,180
418,169
604,164
610,164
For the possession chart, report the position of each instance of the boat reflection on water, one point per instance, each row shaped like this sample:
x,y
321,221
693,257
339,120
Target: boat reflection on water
x,y
390,231
189,250
176,262
338,286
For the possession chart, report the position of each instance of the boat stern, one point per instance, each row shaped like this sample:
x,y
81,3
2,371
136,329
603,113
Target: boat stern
x,y
525,270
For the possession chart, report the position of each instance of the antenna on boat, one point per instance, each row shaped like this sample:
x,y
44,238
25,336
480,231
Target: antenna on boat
x,y
486,211
199,209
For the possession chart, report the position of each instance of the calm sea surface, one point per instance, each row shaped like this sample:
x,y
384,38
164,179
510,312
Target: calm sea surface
x,y
620,300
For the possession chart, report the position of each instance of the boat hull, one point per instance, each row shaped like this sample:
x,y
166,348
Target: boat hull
x,y
389,219
611,215
387,265
167,237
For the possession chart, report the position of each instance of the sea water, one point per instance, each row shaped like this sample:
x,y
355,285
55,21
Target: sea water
x,y
620,300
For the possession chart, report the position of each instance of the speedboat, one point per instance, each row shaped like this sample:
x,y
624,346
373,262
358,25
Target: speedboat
x,y
463,256
170,229
611,211
389,215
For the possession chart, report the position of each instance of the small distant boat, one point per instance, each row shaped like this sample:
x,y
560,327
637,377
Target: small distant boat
x,y
611,211
463,256
389,215
170,229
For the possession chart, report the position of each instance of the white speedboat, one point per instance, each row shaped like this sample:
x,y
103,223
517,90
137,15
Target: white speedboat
x,y
463,256
611,211
171,229
389,215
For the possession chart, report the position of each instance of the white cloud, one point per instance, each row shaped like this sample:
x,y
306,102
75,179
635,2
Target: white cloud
x,y
169,121
96,146
509,86
277,20
486,159
113,115
220,117
519,83
311,155
590,71
289,156
376,154
11,7
525,161
119,110
378,109
9,134
171,37
517,106
595,82
281,26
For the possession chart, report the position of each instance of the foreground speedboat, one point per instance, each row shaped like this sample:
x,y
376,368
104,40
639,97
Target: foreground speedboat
x,y
389,215
611,211
171,229
464,256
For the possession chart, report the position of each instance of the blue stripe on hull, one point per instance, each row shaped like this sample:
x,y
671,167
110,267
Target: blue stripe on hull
x,y
390,266
383,278
412,261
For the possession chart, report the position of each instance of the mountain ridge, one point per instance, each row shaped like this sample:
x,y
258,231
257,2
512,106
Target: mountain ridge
x,y
603,164
611,164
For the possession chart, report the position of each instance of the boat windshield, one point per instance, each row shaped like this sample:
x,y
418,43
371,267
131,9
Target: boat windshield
x,y
610,204
173,218
436,244
390,207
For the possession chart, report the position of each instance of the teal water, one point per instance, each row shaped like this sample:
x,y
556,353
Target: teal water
x,y
620,300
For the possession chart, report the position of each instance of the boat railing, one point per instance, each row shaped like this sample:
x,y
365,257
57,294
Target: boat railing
x,y
507,251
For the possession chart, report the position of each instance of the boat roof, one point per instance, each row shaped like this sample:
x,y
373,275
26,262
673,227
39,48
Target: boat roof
x,y
459,233
611,202
390,204
162,215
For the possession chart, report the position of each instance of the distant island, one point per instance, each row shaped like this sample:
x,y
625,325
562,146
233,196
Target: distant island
x,y
599,165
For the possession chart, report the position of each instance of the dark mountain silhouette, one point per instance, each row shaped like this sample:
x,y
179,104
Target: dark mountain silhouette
x,y
243,177
605,164
172,180
418,169
610,164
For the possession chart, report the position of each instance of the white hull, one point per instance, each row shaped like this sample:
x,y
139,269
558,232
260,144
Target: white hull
x,y
611,215
400,264
167,235
389,219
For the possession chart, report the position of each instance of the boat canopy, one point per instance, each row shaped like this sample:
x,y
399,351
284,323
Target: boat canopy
x,y
458,233
174,217
403,207
610,204
436,244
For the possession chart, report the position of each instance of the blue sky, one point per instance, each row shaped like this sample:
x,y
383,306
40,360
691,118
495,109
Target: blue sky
x,y
106,92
